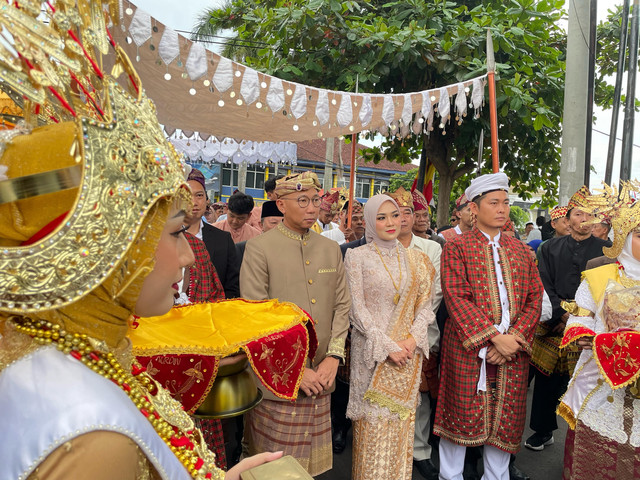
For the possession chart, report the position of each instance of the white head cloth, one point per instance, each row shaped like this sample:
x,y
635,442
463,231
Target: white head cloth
x,y
487,183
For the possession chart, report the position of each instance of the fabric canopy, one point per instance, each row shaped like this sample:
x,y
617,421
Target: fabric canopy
x,y
202,91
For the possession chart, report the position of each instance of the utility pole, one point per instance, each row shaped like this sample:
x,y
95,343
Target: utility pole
x,y
328,164
574,125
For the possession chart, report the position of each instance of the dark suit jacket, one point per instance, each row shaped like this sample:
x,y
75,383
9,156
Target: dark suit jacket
x,y
223,255
240,246
355,244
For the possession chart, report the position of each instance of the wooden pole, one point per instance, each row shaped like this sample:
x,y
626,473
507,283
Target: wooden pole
x,y
493,111
352,177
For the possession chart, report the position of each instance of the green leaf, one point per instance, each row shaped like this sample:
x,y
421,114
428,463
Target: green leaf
x,y
538,122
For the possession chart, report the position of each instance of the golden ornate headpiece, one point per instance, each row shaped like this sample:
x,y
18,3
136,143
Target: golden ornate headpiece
x,y
402,197
620,208
107,141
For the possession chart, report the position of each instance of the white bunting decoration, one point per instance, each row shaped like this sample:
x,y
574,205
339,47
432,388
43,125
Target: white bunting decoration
x,y
237,86
366,112
322,107
345,112
275,97
169,48
140,27
298,105
461,103
223,78
196,61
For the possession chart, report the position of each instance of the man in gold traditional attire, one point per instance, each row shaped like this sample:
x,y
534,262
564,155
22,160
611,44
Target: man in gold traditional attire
x,y
293,263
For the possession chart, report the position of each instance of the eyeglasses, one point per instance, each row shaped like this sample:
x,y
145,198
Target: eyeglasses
x,y
303,202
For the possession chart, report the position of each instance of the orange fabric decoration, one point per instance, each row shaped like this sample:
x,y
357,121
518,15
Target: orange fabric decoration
x,y
574,333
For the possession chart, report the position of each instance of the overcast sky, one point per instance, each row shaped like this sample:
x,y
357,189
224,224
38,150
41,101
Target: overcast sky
x,y
182,16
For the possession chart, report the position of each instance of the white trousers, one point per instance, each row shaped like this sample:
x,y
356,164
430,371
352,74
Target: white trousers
x,y
496,462
421,447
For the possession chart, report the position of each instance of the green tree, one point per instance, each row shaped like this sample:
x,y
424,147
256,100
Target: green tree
x,y
404,180
519,217
411,45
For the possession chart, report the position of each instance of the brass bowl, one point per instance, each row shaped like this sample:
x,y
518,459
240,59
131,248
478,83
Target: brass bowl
x,y
233,393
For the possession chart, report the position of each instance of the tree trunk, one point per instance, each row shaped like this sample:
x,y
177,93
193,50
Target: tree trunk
x,y
445,185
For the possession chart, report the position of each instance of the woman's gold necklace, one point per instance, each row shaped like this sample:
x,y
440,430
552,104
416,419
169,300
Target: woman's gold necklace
x,y
165,415
396,297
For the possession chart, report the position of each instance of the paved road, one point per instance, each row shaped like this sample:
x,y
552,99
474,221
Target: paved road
x,y
545,465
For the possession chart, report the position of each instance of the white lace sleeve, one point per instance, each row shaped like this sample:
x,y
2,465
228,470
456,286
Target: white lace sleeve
x,y
378,344
584,299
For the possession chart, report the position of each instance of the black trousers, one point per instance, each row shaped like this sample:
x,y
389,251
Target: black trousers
x,y
339,401
547,391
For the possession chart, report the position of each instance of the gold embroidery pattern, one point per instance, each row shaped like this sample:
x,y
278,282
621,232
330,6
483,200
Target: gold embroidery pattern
x,y
327,270
336,347
573,308
293,235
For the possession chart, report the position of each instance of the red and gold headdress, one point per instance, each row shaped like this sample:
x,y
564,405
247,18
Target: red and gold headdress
x,y
402,197
558,212
89,163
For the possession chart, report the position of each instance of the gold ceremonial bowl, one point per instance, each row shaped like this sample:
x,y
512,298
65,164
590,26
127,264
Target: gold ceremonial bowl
x,y
233,393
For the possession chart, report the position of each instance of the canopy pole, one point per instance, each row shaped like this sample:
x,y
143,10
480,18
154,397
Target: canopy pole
x,y
493,111
352,171
629,107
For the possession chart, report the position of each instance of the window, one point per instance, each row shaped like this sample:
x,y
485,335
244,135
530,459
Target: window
x,y
380,186
363,187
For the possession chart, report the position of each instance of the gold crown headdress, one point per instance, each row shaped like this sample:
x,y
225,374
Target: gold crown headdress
x,y
620,208
106,137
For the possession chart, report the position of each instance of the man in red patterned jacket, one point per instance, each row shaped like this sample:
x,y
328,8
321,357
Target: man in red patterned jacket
x,y
494,295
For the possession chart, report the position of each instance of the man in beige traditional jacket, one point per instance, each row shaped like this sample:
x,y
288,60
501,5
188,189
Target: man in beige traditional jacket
x,y
293,263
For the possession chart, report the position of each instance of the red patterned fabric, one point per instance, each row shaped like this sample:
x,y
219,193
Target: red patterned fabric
x,y
575,332
279,359
470,289
618,356
449,234
212,433
204,283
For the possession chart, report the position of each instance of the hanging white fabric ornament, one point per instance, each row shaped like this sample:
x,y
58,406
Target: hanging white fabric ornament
x,y
228,147
444,107
169,48
477,96
345,112
250,88
383,130
322,107
298,106
196,61
407,110
388,110
275,96
418,126
366,111
430,116
140,27
461,104
223,78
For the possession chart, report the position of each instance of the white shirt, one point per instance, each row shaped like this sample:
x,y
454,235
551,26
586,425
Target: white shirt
x,y
534,234
335,234
505,319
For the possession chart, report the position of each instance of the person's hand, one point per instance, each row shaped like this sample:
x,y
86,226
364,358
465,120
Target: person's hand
x,y
494,357
251,462
310,383
327,370
565,317
560,326
507,345
585,343
400,358
409,345
232,359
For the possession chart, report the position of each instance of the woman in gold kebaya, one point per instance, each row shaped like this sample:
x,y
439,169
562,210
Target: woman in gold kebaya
x,y
391,310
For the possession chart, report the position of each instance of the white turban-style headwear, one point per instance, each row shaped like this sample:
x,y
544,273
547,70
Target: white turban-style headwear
x,y
487,183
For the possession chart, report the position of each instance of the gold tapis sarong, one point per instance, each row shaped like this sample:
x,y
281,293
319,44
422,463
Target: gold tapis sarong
x,y
383,448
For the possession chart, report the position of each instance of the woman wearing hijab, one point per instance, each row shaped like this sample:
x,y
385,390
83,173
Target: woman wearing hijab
x,y
602,403
391,310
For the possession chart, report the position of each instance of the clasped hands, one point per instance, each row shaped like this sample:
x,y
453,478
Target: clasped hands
x,y
314,382
504,348
407,349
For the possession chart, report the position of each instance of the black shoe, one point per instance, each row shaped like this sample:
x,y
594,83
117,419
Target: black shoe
x,y
426,468
339,440
516,474
538,441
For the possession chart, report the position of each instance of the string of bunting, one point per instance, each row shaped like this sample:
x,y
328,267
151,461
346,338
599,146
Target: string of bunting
x,y
202,91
